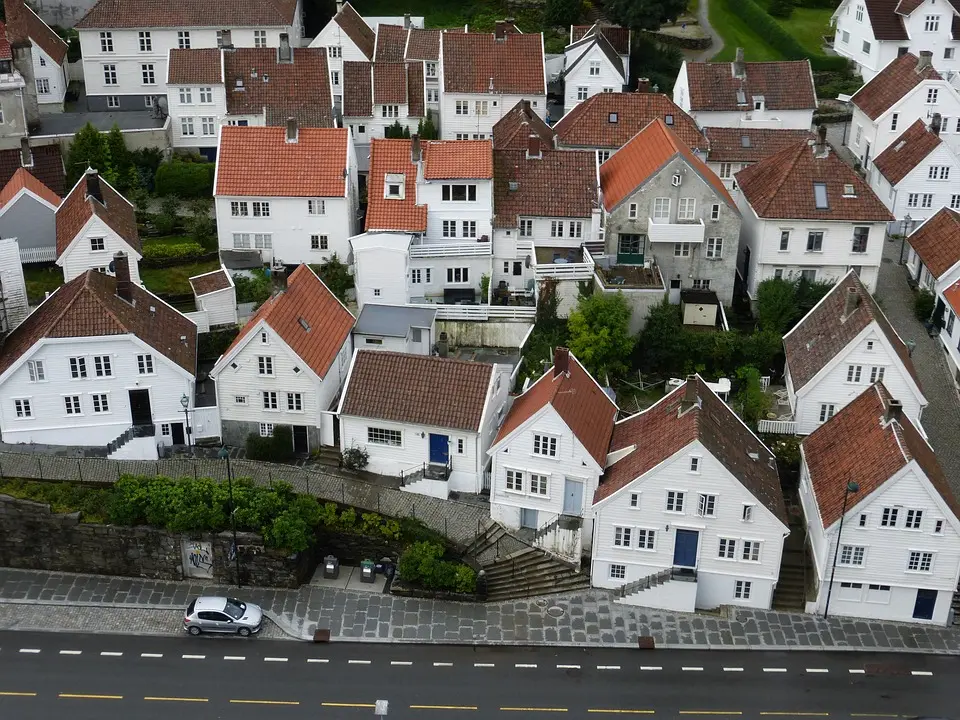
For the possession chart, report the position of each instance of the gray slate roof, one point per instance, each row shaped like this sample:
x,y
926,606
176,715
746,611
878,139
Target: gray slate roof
x,y
392,320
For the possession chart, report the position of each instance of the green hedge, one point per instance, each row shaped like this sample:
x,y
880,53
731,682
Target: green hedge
x,y
422,564
185,179
187,251
277,448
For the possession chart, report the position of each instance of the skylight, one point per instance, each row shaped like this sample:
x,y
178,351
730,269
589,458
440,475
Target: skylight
x,y
745,141
849,191
304,324
820,196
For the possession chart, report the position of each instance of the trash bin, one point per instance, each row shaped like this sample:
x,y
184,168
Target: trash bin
x,y
331,567
367,571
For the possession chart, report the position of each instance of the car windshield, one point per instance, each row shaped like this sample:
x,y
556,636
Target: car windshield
x,y
234,608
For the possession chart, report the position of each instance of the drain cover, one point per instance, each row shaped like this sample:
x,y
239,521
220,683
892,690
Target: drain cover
x,y
556,611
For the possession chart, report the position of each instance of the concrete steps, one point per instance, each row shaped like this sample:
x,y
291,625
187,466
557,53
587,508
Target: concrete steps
x,y
531,572
791,591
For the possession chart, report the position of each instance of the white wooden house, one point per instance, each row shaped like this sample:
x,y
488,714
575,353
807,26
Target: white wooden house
x,y
842,345
689,512
94,222
291,193
428,420
592,64
871,484
28,210
346,37
216,298
48,53
287,365
397,328
101,361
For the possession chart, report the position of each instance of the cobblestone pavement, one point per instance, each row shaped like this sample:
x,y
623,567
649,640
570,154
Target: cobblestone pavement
x,y
584,619
941,418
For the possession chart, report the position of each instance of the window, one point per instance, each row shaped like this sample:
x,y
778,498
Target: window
x,y
113,101
186,128
707,506
265,365
747,514
932,94
526,228
701,284
862,520
261,208
183,39
582,93
889,517
618,572
390,111
845,37
43,86
458,275
714,248
334,51
726,171
603,156
109,74
948,53
556,228
852,555
859,13
35,370
460,441
827,411
815,241
270,400
469,228
938,527
106,42
316,207
741,589
938,172
263,241
820,196
481,107
661,209
576,229
931,23
674,501
646,539
462,107
728,549
955,202
208,126
751,551
926,200
632,211
784,240
186,96
100,403
914,518
78,367
260,38
808,275
319,242
878,593
147,74
383,436
545,445
515,480
538,484
72,404
877,371
240,399
913,200
681,250
420,275
431,69
459,193
101,366
854,372
778,273
860,235
145,364
241,240
951,318
433,95
266,429
920,561
634,500
686,208
23,409
894,119
850,591
715,212
294,402
858,136
695,465
146,42
621,536
866,47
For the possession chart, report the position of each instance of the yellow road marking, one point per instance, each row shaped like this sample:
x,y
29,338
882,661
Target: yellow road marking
x,y
624,712
710,712
266,702
350,705
78,696
532,709
18,694
176,699
874,715
443,707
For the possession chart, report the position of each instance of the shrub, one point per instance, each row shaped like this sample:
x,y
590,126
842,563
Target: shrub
x,y
422,564
923,305
781,8
255,289
186,179
355,458
183,251
336,276
167,220
213,344
278,448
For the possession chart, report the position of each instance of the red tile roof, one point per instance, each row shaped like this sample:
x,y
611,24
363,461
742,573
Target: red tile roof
x,y
210,282
307,317
610,120
906,152
454,159
618,37
389,156
423,45
860,445
78,207
405,388
559,184
389,83
6,52
824,332
748,145
576,398
512,131
194,14
391,43
88,306
258,161
784,85
23,180
479,63
357,88
890,84
952,296
782,186
357,30
24,24
47,166
668,427
195,66
937,241
643,157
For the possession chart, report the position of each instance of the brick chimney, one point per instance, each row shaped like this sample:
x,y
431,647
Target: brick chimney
x,y
501,30
690,395
285,52
406,20
415,149
643,85
924,60
561,362
278,276
121,270
534,151
851,302
525,107
26,153
893,410
226,40
293,131
821,148
93,186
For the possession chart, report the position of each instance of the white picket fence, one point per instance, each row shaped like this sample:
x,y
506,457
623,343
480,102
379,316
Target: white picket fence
x,y
778,427
37,255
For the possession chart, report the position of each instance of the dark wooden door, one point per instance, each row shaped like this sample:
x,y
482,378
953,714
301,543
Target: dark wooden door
x,y
140,413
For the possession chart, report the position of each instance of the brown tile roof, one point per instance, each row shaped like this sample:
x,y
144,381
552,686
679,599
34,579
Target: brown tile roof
x,y
357,29
23,180
905,7
454,159
389,156
290,89
748,145
906,152
859,445
784,85
307,317
666,428
407,388
559,184
952,296
6,52
24,24
576,398
78,207
389,83
824,332
589,124
474,61
781,186
643,157
210,282
416,106
512,131
195,66
886,24
194,14
937,241
357,88
609,52
618,37
423,45
258,161
890,84
391,43
47,166
88,306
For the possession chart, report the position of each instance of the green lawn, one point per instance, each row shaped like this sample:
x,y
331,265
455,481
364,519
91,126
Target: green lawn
x,y
167,240
40,280
807,25
175,280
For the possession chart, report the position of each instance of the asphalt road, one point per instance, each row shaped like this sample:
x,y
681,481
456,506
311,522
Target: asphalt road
x,y
99,677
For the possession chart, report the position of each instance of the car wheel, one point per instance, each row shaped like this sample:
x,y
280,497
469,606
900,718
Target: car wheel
x,y
194,630
244,632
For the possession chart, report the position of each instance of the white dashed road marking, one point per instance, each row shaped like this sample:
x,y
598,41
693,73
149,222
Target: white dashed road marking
x,y
568,667
442,664
400,662
925,673
70,652
857,671
484,665
651,667
273,659
692,669
194,657
31,651
525,665
234,657
732,669
109,653
774,669
817,670
608,667
317,660
151,655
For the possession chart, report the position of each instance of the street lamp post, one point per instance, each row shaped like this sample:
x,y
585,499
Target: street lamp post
x,y
185,402
224,454
903,237
851,487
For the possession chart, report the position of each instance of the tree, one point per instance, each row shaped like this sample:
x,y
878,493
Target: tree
x,y
781,8
396,131
777,305
426,128
120,159
643,14
88,149
200,225
336,276
562,13
600,334
661,345
751,401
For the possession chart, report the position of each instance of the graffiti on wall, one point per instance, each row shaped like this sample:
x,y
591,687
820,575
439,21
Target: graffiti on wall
x,y
197,558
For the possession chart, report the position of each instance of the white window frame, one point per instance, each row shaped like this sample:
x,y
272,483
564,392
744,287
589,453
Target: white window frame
x,y
384,436
546,445
675,500
852,555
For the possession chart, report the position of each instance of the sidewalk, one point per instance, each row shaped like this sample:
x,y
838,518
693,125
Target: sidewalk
x,y
588,619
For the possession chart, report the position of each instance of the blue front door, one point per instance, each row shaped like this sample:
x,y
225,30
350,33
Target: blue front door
x,y
926,602
685,548
439,449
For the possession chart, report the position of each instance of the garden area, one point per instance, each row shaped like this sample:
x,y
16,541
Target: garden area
x,y
807,21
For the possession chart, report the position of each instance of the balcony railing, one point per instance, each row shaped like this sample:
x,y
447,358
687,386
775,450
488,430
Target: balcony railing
x,y
675,232
450,249
479,312
561,268
37,255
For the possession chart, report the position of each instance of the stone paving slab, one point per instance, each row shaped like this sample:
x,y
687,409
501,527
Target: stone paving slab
x,y
588,619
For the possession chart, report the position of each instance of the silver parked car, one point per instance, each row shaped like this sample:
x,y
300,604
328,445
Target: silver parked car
x,y
222,615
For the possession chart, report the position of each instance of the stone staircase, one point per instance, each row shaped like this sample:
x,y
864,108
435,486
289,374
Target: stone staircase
x,y
329,456
515,569
790,594
132,432
646,583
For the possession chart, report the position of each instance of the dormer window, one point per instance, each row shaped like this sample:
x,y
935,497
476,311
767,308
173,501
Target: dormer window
x,y
394,186
758,103
820,196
